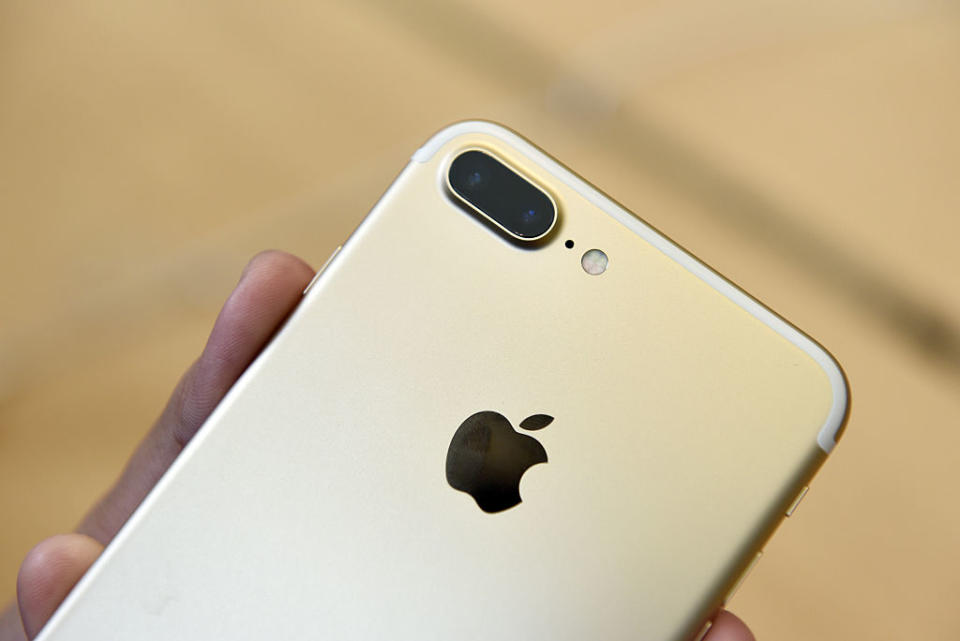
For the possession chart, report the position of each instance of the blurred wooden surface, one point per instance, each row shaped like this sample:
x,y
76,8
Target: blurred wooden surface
x,y
811,153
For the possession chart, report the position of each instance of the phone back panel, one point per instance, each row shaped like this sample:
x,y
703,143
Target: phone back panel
x,y
313,504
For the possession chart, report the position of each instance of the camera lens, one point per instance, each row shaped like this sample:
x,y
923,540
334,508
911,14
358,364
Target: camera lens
x,y
502,195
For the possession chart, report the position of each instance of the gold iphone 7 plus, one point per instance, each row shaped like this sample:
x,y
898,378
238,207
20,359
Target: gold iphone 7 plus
x,y
506,408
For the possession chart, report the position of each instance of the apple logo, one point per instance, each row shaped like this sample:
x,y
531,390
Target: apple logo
x,y
487,457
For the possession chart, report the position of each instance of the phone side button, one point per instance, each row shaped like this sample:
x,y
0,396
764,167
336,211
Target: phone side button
x,y
703,631
316,276
743,577
796,501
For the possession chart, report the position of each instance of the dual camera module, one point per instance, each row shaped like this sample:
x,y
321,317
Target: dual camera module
x,y
506,198
511,202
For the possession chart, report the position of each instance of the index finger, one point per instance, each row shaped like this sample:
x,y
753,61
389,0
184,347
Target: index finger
x,y
728,627
270,287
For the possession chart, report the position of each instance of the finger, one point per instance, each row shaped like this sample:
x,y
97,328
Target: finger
x,y
727,627
47,575
269,289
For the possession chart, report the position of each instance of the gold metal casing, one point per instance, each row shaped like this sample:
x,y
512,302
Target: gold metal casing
x,y
313,504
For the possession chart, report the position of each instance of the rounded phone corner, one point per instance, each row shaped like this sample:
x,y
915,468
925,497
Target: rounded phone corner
x,y
836,421
460,128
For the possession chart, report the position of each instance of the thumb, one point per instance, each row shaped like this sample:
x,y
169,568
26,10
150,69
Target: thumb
x,y
47,575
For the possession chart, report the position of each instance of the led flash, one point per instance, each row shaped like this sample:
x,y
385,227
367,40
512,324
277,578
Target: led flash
x,y
594,262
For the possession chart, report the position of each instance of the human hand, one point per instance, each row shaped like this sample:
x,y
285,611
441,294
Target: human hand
x,y
269,288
